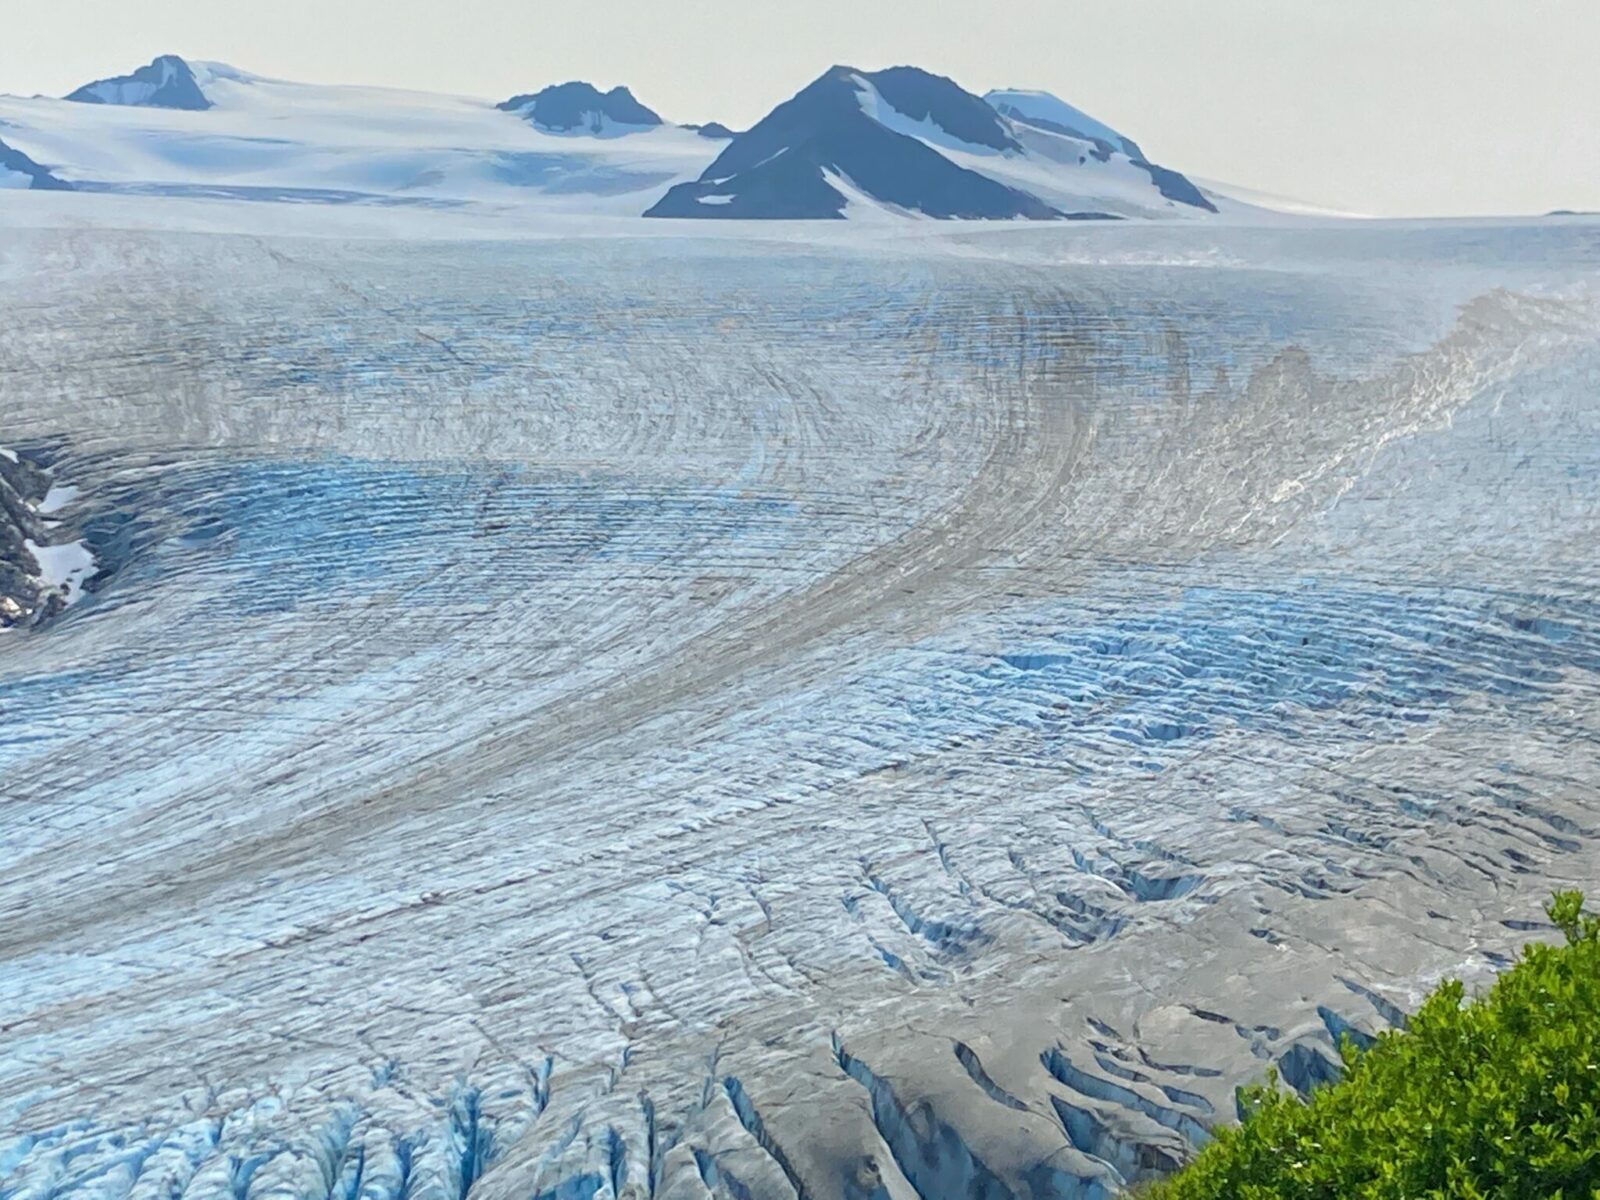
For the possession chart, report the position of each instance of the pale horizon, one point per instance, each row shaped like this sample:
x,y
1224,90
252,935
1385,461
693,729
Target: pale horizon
x,y
1443,109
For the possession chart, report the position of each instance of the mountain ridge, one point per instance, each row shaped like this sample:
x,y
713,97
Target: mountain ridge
x,y
900,140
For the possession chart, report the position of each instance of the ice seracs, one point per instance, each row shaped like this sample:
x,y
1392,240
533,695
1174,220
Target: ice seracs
x,y
167,82
581,108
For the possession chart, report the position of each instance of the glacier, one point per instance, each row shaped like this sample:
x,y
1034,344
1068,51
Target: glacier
x,y
572,709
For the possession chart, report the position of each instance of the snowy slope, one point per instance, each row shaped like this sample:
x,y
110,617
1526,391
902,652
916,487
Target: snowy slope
x,y
275,140
42,571
1045,111
1069,128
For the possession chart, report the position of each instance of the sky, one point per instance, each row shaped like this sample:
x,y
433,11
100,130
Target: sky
x,y
1386,107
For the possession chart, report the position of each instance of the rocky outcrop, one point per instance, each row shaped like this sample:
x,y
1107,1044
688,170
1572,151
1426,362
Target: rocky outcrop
x,y
40,574
21,485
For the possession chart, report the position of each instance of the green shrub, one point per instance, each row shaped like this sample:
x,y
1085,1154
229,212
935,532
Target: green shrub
x,y
1499,1098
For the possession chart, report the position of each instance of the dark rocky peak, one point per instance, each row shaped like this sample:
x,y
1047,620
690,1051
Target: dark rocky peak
x,y
168,82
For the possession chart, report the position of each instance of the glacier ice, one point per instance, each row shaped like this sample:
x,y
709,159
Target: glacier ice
x,y
766,713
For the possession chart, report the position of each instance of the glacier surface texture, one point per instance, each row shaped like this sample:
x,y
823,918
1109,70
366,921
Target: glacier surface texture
x,y
784,714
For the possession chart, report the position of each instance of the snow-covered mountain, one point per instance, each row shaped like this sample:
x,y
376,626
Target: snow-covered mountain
x,y
168,82
849,133
910,141
582,108
852,143
249,137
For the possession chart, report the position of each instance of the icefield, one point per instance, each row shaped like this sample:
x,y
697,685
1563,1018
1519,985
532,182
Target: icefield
x,y
765,714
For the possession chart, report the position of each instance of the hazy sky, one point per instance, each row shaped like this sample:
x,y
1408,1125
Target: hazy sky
x,y
1380,106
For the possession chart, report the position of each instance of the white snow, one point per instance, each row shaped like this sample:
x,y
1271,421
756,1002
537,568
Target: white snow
x,y
594,123
860,207
58,497
66,566
1272,202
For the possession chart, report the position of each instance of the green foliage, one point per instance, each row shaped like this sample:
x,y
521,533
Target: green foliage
x,y
1494,1100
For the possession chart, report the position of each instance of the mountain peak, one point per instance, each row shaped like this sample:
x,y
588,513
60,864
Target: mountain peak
x,y
580,107
166,82
866,134
911,141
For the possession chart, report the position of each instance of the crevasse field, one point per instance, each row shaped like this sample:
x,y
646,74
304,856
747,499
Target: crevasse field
x,y
768,712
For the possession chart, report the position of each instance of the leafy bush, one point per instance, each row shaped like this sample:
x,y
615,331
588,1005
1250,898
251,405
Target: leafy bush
x,y
1499,1098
